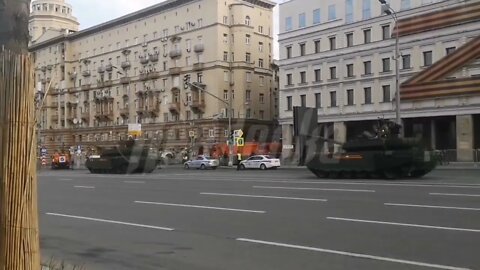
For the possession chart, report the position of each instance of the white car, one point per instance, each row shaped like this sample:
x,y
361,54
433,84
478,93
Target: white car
x,y
261,162
202,162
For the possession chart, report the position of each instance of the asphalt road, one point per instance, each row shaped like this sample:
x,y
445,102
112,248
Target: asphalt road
x,y
283,219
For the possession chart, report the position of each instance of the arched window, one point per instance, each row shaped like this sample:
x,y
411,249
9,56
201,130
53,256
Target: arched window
x,y
247,20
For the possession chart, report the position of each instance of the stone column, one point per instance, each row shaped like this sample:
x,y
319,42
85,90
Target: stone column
x,y
464,138
339,135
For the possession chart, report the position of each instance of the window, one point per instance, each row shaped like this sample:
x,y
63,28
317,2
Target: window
x,y
288,24
199,77
247,20
247,39
368,95
350,97
289,52
260,62
316,44
333,73
261,98
386,64
225,94
232,58
225,38
405,4
318,75
199,23
302,49
367,67
289,79
261,114
385,32
248,57
333,98
449,50
427,58
349,11
349,38
261,80
303,77
302,20
260,46
367,36
303,100
260,29
249,76
226,76
406,61
188,61
289,103
366,9
225,56
332,13
316,16
318,100
225,20
248,94
349,70
386,93
333,43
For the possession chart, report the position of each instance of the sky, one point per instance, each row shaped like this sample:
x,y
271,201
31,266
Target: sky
x,y
93,12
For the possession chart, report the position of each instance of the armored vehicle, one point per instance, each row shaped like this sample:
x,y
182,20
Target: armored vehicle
x,y
131,156
380,155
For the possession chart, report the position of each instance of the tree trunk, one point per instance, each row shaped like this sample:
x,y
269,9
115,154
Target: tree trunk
x,y
19,236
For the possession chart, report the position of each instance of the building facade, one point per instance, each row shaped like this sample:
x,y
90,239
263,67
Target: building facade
x,y
339,56
51,18
150,67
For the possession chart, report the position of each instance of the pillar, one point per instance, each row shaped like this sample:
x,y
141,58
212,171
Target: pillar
x,y
433,134
464,138
287,140
339,134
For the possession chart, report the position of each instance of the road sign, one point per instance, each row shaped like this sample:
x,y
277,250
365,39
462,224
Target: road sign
x,y
191,133
238,133
240,141
288,146
43,150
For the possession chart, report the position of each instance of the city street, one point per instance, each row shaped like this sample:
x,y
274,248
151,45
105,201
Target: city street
x,y
283,219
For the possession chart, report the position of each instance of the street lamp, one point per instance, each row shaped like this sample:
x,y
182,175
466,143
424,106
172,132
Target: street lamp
x,y
201,87
388,10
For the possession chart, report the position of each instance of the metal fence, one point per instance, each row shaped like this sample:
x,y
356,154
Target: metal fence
x,y
451,155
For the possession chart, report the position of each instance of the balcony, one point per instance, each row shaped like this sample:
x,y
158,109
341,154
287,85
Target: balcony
x,y
153,57
126,65
108,115
197,66
175,53
70,117
85,87
125,80
154,75
109,67
143,60
198,105
174,107
43,68
105,83
153,109
143,76
198,48
85,115
86,73
175,70
139,92
141,109
101,69
72,75
124,112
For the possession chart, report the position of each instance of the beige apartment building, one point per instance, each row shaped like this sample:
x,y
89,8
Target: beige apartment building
x,y
149,67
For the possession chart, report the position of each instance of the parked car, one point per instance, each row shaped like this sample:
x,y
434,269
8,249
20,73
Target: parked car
x,y
261,162
202,162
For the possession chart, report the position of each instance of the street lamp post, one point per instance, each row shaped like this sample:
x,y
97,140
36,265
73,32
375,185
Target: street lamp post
x,y
201,87
387,9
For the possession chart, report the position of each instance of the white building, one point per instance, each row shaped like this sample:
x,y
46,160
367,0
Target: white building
x,y
338,56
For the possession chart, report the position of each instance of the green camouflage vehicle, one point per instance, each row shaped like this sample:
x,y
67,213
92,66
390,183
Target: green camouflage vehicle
x,y
132,156
383,155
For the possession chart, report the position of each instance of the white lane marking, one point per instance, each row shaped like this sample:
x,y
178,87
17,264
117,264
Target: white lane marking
x,y
404,224
134,182
65,179
351,254
87,187
453,194
322,189
203,207
433,206
112,221
262,196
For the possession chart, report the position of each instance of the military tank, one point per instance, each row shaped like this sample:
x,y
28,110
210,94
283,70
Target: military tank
x,y
131,156
380,155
